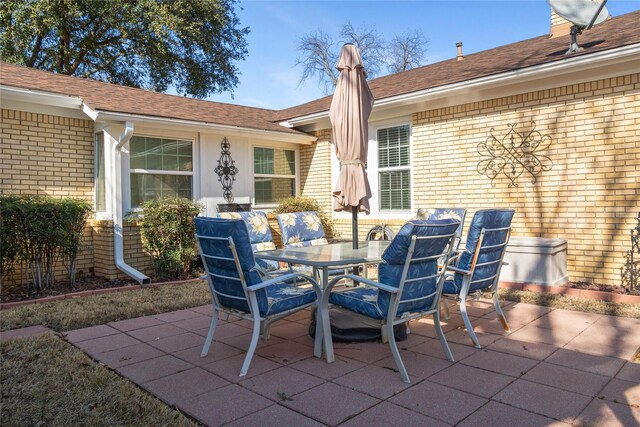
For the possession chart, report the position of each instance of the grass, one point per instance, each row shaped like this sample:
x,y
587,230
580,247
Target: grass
x,y
572,303
66,315
46,381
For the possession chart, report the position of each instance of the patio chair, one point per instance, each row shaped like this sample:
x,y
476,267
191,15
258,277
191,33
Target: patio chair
x,y
445,213
409,282
259,235
301,229
236,286
478,267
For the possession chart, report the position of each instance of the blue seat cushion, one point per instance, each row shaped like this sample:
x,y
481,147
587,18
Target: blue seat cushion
x,y
283,297
362,300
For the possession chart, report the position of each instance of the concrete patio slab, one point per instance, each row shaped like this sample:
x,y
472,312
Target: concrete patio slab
x,y
23,332
551,402
496,414
184,385
224,405
128,355
275,416
601,365
330,403
388,414
136,323
152,369
376,381
281,383
438,401
568,379
513,380
90,333
472,380
603,413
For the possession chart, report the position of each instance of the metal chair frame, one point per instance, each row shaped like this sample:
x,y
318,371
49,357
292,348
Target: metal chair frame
x,y
250,297
492,289
388,322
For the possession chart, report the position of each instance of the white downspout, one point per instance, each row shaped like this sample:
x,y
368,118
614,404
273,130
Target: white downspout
x,y
126,135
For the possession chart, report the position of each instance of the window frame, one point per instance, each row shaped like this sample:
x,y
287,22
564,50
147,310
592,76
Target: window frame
x,y
372,171
379,169
295,176
192,173
106,192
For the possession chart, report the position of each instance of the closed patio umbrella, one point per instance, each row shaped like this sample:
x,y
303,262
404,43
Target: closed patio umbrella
x,y
349,113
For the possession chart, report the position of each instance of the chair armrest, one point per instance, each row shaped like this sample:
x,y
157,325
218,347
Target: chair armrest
x,y
283,278
364,280
458,270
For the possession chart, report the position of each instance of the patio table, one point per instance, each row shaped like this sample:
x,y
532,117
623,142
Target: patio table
x,y
322,258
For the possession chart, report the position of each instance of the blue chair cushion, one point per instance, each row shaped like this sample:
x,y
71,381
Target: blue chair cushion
x,y
301,229
362,300
487,219
230,284
283,297
394,257
259,234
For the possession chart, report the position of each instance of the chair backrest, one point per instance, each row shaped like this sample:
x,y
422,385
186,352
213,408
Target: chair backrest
x,y
486,245
301,229
410,263
228,260
444,213
259,233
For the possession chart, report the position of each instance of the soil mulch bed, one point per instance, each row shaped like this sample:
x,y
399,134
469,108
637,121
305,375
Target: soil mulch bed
x,y
15,293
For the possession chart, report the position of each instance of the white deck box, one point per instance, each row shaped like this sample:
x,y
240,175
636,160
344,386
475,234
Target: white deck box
x,y
536,260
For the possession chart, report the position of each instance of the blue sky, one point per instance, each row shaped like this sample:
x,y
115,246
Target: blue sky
x,y
269,79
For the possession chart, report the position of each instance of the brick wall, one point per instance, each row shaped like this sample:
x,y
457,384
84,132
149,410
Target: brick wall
x,y
53,155
589,197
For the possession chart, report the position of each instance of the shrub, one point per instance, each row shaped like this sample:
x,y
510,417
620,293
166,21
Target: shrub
x,y
168,234
38,231
304,204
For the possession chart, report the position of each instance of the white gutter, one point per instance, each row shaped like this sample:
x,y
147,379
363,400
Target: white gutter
x,y
118,220
11,93
300,138
567,65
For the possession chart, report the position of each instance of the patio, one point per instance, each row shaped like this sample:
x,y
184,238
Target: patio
x,y
557,367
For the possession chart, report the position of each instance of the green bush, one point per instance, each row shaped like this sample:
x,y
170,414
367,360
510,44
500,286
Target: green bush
x,y
38,231
304,204
168,234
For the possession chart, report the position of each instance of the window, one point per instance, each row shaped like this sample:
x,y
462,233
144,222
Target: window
x,y
394,168
100,173
160,168
274,174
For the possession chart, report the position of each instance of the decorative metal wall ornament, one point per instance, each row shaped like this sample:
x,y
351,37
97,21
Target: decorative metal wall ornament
x,y
226,170
514,154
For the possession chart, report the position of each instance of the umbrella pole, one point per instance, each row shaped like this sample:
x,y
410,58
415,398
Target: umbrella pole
x,y
354,226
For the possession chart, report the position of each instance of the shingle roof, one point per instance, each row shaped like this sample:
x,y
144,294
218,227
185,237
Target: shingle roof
x,y
120,99
613,33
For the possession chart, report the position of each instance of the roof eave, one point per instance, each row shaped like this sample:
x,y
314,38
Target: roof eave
x,y
296,138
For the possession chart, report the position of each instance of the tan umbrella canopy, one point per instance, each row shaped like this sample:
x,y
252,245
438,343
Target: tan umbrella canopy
x,y
349,113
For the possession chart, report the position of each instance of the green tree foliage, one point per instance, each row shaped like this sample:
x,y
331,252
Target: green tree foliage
x,y
190,44
168,234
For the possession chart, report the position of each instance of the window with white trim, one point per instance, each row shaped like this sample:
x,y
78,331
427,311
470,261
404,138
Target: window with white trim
x,y
394,168
274,174
160,167
100,170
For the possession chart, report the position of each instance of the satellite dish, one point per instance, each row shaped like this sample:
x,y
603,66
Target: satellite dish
x,y
583,14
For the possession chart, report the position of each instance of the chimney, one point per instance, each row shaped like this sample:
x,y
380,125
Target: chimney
x,y
559,26
460,56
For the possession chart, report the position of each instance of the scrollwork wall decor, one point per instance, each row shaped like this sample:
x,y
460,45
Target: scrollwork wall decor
x,y
513,154
226,170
